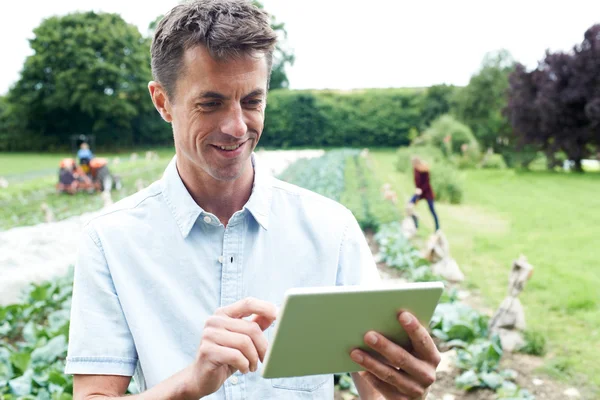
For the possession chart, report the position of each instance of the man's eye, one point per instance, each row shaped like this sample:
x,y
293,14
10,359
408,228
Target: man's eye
x,y
210,104
254,102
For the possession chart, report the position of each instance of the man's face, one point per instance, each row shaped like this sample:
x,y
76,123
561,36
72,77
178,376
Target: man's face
x,y
218,112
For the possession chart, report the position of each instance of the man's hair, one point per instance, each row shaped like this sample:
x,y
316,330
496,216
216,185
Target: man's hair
x,y
226,28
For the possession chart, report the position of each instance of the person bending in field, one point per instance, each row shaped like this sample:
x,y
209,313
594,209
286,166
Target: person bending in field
x,y
67,179
178,284
423,189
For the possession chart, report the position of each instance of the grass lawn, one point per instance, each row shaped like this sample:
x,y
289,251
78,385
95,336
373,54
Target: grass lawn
x,y
554,220
15,164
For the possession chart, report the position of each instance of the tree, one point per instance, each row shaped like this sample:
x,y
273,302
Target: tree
x,y
556,107
282,57
481,102
437,101
88,74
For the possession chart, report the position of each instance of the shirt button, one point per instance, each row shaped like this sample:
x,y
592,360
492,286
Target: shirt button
x,y
221,259
233,380
207,219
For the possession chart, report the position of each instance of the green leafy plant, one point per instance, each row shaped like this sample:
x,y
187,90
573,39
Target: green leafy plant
x,y
345,382
510,391
397,251
323,175
34,343
480,362
458,324
535,344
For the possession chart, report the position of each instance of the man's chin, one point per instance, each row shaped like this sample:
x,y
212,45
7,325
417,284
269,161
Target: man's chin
x,y
228,174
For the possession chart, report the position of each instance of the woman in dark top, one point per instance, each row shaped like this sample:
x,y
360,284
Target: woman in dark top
x,y
423,188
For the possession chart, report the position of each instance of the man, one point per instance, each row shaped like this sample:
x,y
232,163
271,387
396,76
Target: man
x,y
84,152
178,284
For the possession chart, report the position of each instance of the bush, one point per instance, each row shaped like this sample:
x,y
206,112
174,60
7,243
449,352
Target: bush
x,y
467,160
450,136
447,183
493,161
431,155
446,180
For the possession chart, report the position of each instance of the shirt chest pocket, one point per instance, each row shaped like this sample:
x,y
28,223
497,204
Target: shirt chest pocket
x,y
309,383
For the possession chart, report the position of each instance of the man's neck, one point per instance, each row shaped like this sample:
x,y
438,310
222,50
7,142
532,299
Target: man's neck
x,y
220,198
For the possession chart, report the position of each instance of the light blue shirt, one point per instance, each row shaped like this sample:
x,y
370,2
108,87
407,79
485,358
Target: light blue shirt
x,y
155,266
85,153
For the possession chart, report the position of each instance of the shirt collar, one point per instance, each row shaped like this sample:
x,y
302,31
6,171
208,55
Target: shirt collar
x,y
186,211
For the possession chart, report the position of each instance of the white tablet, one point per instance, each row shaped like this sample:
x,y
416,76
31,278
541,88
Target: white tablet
x,y
317,328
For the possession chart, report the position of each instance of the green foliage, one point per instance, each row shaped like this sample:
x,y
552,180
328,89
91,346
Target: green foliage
x,y
535,343
88,74
431,155
438,100
344,176
345,382
282,57
458,323
480,362
33,343
510,391
480,103
378,210
323,175
353,196
447,183
330,118
493,161
397,251
450,136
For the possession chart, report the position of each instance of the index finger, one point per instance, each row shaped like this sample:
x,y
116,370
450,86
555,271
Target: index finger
x,y
265,313
423,346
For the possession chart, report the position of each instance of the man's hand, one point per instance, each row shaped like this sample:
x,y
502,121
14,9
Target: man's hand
x,y
405,375
230,343
418,192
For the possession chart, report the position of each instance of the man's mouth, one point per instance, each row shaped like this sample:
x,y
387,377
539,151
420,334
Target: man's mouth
x,y
230,148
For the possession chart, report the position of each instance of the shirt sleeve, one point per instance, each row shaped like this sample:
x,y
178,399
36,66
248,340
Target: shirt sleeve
x,y
100,342
356,262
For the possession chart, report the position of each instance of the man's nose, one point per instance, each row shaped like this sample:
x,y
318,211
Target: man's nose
x,y
234,123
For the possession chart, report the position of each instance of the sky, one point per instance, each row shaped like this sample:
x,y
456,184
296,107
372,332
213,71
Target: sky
x,y
347,44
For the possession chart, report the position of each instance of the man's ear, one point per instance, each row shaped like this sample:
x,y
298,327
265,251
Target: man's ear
x,y
160,100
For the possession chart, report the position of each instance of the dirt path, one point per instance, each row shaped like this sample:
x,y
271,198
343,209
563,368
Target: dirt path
x,y
41,252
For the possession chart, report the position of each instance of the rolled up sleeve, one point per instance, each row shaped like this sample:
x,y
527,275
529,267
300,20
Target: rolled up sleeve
x,y
100,342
